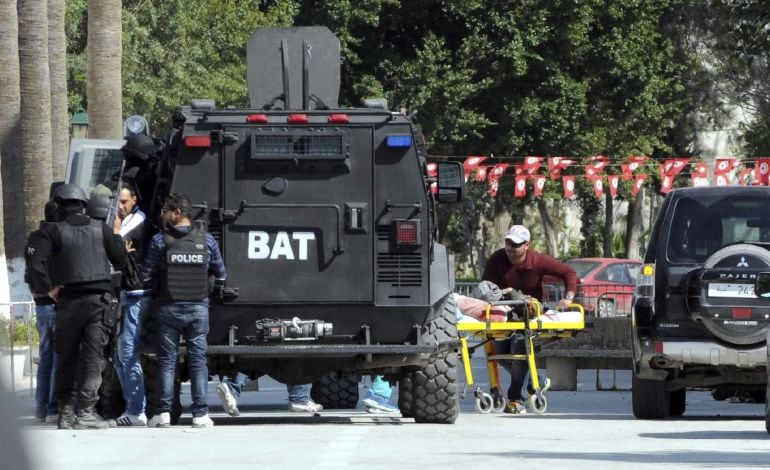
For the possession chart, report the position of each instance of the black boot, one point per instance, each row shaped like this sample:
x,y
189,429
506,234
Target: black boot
x,y
66,415
86,418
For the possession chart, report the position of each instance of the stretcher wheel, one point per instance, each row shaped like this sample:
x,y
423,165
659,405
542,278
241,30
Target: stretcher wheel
x,y
537,403
484,402
498,402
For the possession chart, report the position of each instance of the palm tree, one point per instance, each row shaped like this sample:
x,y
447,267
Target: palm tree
x,y
57,63
35,107
105,108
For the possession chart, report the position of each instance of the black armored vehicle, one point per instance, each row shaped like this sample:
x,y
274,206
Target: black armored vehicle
x,y
698,321
326,219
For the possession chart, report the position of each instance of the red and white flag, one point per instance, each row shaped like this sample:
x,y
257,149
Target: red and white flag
x,y
557,164
493,177
493,186
614,182
591,173
666,184
598,162
638,183
721,180
762,171
471,163
638,159
520,188
674,166
568,182
598,185
746,176
700,174
481,173
724,165
532,164
432,169
539,185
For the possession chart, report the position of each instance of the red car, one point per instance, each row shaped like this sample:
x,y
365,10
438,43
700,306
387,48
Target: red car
x,y
605,285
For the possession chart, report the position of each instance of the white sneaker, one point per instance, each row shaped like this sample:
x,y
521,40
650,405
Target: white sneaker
x,y
308,406
229,403
160,420
131,420
202,422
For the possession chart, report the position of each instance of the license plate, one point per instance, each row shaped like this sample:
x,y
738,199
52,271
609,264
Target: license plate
x,y
736,291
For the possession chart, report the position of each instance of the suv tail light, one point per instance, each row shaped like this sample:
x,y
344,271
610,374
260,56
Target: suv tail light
x,y
645,281
407,232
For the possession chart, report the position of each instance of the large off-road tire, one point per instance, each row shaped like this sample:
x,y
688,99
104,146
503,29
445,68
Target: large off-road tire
x,y
434,388
730,257
677,402
405,397
649,398
336,391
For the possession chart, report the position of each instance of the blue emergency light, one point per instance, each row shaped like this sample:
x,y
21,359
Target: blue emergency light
x,y
399,141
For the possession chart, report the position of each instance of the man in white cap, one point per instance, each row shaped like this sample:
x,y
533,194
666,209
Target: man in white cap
x,y
518,267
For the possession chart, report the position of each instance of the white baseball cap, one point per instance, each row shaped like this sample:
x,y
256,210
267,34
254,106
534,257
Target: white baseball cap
x,y
518,234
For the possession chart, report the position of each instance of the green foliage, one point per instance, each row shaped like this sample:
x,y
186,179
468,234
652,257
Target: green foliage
x,y
22,330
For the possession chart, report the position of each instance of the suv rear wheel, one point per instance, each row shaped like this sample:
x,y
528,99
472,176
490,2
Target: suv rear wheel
x,y
649,398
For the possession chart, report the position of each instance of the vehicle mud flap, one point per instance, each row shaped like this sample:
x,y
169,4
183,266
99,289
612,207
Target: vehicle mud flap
x,y
434,387
677,402
649,398
336,392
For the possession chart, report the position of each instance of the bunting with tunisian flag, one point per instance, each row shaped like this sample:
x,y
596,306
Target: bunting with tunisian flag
x,y
593,167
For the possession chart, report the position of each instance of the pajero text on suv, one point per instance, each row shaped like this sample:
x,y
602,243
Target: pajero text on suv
x,y
327,222
697,322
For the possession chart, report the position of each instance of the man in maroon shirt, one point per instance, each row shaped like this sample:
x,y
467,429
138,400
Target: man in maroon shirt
x,y
519,267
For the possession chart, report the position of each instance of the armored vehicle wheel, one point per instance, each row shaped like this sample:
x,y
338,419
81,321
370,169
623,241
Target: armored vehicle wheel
x,y
649,398
405,396
736,333
336,391
606,308
677,402
434,387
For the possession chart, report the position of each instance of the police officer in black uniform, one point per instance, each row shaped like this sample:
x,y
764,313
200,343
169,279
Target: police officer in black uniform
x,y
82,250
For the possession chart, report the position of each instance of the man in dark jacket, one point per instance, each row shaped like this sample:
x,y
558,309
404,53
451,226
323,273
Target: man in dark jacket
x,y
81,250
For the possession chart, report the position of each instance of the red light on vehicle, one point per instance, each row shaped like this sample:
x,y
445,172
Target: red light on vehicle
x,y
297,119
741,312
197,141
256,118
659,347
408,232
339,118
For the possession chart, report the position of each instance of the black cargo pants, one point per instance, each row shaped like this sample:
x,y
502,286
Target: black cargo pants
x,y
79,341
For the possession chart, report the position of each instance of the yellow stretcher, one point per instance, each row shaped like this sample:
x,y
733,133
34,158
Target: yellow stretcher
x,y
544,327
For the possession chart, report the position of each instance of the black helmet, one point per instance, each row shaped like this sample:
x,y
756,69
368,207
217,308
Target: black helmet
x,y
71,192
139,146
98,206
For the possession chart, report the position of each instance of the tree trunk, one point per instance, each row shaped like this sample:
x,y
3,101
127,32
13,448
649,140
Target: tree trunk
x,y
608,219
105,105
35,108
634,225
12,163
549,232
57,63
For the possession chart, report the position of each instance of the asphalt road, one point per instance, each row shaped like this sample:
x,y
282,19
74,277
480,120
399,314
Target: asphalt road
x,y
583,429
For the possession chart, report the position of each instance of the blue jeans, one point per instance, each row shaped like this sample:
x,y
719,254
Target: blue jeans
x,y
192,322
381,387
45,399
297,393
127,364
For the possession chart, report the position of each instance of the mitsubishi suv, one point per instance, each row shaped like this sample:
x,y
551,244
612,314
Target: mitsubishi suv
x,y
697,322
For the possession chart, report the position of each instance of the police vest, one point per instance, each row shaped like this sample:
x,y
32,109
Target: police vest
x,y
186,267
82,257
